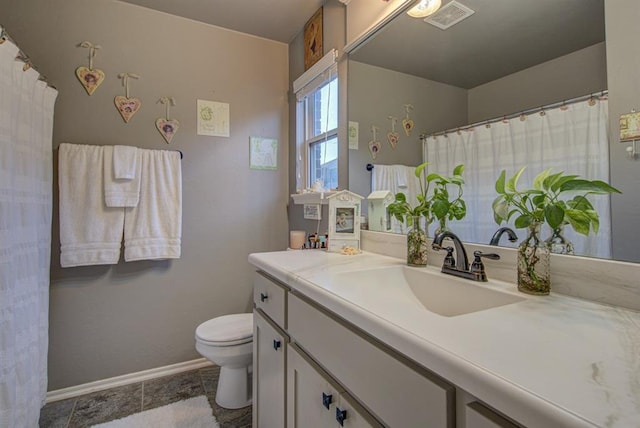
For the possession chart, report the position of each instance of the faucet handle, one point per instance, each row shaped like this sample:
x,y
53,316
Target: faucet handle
x,y
478,254
448,259
477,267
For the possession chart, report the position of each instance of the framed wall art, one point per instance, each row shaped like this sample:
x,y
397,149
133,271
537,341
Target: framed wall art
x,y
313,50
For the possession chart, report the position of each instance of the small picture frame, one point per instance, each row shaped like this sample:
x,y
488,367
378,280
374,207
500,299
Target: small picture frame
x,y
312,212
313,49
344,220
630,126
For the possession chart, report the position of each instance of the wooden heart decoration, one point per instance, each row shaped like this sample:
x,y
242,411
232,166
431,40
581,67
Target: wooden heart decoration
x,y
407,124
167,127
393,138
90,79
374,148
127,106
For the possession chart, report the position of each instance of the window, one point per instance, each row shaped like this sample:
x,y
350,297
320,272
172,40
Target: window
x,y
321,135
317,123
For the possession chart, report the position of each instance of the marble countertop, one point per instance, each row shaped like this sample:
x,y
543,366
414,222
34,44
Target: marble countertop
x,y
551,361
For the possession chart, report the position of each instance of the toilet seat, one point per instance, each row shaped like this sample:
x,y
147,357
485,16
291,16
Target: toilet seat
x,y
226,330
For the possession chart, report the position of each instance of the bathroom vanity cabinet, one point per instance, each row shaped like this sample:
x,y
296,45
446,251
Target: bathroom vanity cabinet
x,y
269,353
330,373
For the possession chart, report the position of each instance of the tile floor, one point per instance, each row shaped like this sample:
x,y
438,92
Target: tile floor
x,y
116,403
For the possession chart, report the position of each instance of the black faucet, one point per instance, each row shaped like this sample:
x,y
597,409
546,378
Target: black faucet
x,y
496,236
461,267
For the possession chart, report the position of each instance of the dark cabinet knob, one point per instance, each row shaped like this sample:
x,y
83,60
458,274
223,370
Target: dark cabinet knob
x,y
276,344
341,415
326,400
263,297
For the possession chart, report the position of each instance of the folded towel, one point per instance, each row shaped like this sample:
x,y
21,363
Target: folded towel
x,y
124,162
153,229
119,192
90,232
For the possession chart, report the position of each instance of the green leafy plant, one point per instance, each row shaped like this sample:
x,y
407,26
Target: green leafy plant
x,y
403,211
544,202
435,206
442,208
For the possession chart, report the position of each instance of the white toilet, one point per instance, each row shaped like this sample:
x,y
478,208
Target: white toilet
x,y
228,342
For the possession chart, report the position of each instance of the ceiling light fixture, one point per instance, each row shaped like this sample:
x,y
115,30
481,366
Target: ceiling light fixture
x,y
424,8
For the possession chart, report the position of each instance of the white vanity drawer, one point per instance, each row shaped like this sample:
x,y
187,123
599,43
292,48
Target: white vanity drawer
x,y
271,298
410,397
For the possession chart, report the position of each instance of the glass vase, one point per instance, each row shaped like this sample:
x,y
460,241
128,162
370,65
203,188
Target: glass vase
x,y
417,248
534,262
557,243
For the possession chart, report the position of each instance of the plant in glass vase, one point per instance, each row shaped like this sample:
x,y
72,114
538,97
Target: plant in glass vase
x,y
544,203
403,211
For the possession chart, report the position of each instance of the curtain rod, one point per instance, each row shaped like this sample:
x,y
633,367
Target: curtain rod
x,y
23,57
521,113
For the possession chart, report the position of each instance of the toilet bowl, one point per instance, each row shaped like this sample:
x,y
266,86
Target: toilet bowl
x,y
228,342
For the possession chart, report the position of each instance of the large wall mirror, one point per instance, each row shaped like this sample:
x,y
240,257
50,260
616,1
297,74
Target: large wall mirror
x,y
509,56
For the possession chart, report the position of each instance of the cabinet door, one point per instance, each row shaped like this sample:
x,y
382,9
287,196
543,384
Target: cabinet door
x,y
314,401
311,400
269,349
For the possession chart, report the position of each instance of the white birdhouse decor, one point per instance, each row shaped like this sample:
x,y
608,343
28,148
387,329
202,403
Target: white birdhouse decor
x,y
344,220
378,212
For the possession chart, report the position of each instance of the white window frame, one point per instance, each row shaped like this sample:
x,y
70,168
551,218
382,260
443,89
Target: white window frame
x,y
320,74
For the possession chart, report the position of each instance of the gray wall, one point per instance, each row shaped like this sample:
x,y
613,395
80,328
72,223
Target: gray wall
x,y
113,320
375,94
573,75
623,68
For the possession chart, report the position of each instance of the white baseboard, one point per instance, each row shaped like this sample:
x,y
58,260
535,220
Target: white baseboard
x,y
100,385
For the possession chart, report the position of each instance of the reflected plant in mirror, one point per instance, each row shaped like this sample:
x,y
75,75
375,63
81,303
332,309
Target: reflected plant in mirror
x,y
442,208
558,200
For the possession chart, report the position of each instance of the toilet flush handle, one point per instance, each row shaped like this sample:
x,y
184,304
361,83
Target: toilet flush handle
x,y
263,297
276,344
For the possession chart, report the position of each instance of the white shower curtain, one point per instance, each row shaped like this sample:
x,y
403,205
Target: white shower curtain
x,y
26,125
571,138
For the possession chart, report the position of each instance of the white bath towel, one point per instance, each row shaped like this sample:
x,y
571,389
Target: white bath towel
x,y
153,229
120,192
125,160
90,232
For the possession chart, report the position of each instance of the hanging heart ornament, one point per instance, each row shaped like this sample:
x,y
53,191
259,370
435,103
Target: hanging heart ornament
x,y
374,148
167,127
393,138
90,78
127,106
407,125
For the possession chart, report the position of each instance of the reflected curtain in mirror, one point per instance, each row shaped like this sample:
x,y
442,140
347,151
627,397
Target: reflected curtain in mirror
x,y
571,138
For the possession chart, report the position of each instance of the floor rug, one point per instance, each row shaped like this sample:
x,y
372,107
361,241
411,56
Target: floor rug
x,y
192,413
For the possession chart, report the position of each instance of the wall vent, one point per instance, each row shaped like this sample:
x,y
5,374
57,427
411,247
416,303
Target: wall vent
x,y
449,15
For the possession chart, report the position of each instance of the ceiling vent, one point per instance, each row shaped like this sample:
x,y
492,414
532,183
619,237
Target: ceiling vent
x,y
449,15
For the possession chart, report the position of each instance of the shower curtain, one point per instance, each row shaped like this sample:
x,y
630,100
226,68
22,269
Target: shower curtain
x,y
572,138
26,124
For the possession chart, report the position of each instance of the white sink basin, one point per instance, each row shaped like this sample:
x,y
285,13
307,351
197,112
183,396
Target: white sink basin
x,y
442,294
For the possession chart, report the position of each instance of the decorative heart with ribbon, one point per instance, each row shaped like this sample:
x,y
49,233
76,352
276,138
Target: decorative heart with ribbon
x,y
374,148
127,106
89,78
407,125
167,128
393,138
